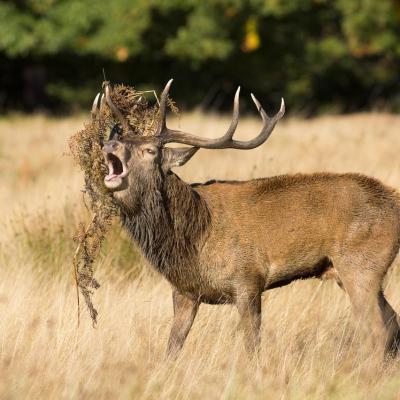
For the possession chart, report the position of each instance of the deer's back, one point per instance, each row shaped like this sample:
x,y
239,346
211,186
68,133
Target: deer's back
x,y
299,197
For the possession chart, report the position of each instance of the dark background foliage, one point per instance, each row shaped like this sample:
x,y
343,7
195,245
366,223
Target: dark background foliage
x,y
321,55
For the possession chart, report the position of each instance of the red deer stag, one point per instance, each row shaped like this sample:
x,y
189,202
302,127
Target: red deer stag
x,y
227,242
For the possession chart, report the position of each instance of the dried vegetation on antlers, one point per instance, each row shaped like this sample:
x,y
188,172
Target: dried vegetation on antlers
x,y
86,151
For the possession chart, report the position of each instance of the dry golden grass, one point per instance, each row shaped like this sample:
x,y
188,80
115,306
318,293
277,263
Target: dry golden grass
x,y
309,346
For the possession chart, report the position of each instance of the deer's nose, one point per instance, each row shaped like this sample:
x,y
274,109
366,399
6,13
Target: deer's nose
x,y
109,146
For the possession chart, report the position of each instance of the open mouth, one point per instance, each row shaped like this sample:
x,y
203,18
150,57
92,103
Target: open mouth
x,y
116,168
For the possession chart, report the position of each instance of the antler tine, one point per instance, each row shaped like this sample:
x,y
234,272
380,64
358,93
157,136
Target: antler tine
x,y
162,127
114,109
102,103
268,125
235,116
225,141
264,115
95,107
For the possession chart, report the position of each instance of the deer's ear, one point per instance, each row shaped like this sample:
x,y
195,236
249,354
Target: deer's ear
x,y
175,157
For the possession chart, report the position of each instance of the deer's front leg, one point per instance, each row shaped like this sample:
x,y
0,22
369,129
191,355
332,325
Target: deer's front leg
x,y
249,307
185,311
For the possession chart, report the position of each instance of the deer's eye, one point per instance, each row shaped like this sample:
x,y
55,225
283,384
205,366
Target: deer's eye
x,y
150,151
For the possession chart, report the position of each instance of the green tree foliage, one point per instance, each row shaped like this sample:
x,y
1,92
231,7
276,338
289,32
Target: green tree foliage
x,y
338,55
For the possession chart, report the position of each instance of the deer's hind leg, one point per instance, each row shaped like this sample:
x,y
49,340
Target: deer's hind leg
x,y
362,280
391,321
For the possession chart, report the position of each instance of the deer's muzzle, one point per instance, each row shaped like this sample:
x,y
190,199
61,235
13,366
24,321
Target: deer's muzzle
x,y
117,169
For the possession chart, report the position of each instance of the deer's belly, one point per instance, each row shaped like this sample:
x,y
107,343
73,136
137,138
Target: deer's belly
x,y
283,275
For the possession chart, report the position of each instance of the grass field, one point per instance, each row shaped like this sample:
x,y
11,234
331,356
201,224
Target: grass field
x,y
309,344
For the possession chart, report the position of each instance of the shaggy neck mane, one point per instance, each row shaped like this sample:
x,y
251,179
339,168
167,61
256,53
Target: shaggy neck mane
x,y
168,224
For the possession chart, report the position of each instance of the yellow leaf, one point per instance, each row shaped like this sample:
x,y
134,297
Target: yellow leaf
x,y
251,42
122,54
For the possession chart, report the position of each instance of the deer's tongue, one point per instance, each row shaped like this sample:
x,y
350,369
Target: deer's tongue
x,y
111,174
109,177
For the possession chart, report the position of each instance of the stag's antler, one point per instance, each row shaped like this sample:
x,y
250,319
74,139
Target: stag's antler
x,y
167,135
123,121
97,107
